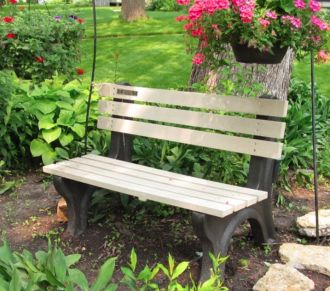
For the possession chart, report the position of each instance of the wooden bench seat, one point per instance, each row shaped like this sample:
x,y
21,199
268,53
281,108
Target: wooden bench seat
x,y
162,186
250,126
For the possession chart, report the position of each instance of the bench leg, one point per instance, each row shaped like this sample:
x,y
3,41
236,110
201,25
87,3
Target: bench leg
x,y
216,233
77,196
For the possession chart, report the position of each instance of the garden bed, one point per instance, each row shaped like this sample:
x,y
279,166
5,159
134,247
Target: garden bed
x,y
28,218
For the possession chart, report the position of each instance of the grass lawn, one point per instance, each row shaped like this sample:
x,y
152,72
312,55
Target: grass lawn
x,y
149,52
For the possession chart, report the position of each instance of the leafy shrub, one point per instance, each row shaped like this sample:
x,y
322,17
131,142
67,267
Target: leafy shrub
x,y
61,114
164,5
298,138
48,119
36,45
185,159
17,127
52,270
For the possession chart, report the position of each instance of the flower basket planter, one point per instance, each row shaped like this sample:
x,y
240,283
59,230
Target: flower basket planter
x,y
249,55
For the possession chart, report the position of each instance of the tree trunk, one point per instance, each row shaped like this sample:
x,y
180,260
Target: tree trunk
x,y
133,9
275,79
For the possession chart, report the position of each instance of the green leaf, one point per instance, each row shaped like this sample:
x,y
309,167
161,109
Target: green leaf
x,y
111,287
171,264
133,260
52,134
128,272
72,259
6,255
66,139
15,284
180,269
64,105
62,153
144,274
7,186
105,275
38,147
79,130
46,107
78,278
46,122
48,157
65,118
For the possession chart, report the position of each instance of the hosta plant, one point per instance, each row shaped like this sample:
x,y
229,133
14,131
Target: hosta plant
x,y
260,24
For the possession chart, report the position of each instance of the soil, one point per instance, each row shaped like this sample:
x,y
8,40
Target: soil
x,y
28,217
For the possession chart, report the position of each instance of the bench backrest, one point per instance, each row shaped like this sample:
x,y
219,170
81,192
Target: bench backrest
x,y
195,118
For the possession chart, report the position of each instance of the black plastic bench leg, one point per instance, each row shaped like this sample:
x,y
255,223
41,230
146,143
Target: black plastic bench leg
x,y
216,233
77,196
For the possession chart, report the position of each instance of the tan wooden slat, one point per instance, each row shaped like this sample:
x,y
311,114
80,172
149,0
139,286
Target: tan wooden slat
x,y
142,192
236,203
209,120
193,181
267,149
267,107
205,192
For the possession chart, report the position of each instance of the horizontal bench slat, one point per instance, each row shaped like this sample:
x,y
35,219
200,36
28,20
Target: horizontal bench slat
x,y
236,203
267,107
193,182
142,192
184,187
242,145
209,120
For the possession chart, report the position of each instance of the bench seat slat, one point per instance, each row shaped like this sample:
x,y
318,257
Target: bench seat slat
x,y
258,127
142,192
261,148
177,186
276,108
236,203
250,196
193,181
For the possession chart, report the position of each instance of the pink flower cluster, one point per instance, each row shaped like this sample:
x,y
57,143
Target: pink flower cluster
x,y
319,23
295,21
206,6
300,4
245,9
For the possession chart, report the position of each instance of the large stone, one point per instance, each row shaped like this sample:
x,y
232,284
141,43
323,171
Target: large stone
x,y
307,224
314,258
283,278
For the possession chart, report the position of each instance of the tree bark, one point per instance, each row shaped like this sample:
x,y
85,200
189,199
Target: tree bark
x,y
275,79
133,10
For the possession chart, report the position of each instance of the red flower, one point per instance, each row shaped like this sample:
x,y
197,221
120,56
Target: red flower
x,y
80,71
8,19
11,35
39,59
12,1
80,20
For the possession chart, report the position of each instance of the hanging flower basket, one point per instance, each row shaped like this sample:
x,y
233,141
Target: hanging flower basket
x,y
269,26
245,54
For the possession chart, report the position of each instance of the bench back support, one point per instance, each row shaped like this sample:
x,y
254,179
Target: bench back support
x,y
197,121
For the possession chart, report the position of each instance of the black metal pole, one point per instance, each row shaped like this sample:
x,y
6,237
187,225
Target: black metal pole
x,y
314,140
92,76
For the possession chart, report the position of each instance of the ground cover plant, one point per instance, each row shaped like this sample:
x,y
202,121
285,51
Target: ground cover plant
x,y
52,270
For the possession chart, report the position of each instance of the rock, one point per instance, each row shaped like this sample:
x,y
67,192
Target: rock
x,y
306,223
283,278
314,258
62,211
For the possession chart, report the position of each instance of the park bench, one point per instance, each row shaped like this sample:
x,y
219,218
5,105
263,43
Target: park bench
x,y
191,118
